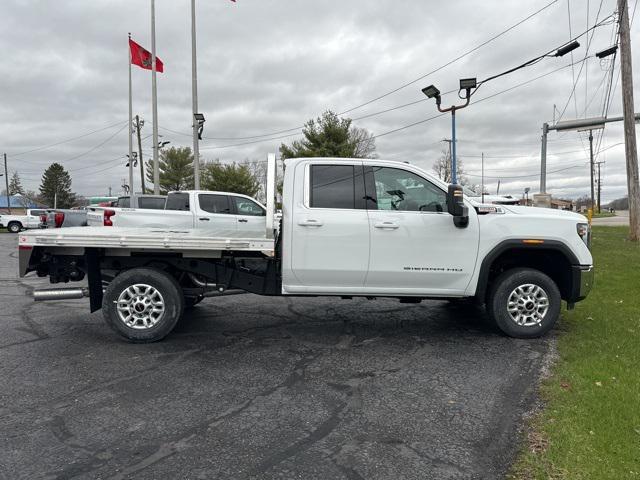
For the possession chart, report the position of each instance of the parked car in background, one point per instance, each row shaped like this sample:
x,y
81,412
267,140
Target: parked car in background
x,y
189,209
16,223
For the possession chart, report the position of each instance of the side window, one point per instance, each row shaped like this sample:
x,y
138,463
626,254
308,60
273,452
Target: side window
x,y
400,190
124,202
244,206
151,203
177,201
214,203
333,186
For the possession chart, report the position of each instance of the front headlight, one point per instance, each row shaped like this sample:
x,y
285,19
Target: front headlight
x,y
584,232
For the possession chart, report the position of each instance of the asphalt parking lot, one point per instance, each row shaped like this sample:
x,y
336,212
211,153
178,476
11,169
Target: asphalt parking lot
x,y
255,387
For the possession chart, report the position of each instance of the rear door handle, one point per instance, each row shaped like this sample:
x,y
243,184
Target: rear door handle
x,y
243,220
204,219
310,223
389,225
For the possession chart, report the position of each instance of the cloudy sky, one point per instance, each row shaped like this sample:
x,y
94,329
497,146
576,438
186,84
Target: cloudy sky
x,y
266,67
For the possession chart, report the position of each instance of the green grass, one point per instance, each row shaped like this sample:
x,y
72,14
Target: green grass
x,y
590,425
603,215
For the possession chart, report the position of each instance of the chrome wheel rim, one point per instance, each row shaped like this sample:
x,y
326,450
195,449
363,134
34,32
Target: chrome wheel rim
x,y
527,305
140,306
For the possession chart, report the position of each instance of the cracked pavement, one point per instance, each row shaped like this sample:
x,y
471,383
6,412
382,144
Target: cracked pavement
x,y
260,387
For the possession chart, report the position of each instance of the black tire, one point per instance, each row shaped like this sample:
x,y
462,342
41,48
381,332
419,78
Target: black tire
x,y
529,306
142,326
14,227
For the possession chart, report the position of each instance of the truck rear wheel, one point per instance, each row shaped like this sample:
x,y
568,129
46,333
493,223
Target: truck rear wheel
x,y
143,304
524,303
14,227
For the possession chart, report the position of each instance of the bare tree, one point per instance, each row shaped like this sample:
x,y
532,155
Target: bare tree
x,y
442,168
364,143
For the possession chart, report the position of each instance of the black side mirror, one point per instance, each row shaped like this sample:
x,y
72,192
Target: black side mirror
x,y
456,207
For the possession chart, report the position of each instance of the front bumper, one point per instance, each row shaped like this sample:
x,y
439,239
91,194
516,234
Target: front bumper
x,y
582,282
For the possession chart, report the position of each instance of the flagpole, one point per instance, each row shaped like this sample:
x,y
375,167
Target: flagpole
x,y
131,191
194,99
154,95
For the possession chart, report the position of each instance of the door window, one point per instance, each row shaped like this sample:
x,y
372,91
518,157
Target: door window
x,y
337,186
177,201
151,203
400,190
214,203
244,206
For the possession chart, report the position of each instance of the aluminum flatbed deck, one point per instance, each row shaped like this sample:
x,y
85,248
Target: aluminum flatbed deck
x,y
146,239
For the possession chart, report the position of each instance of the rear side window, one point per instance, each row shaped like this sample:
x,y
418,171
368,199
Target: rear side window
x,y
214,203
151,203
336,186
123,202
178,201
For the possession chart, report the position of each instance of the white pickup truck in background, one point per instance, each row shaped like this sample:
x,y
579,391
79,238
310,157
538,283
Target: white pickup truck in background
x,y
16,223
189,209
350,227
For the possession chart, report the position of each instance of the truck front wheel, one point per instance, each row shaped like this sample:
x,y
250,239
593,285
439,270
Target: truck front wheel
x,y
143,304
524,303
14,227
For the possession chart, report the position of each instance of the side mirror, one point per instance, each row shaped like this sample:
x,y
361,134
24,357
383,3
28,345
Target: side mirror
x,y
456,207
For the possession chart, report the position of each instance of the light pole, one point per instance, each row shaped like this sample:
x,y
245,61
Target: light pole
x,y
198,126
466,84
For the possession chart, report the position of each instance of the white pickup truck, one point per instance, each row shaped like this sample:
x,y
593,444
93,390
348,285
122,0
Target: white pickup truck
x,y
189,209
350,227
16,223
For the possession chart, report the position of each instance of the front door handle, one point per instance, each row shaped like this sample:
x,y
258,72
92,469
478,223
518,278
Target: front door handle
x,y
389,225
243,220
310,223
204,219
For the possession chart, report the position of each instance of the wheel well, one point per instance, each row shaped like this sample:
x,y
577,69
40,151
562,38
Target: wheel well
x,y
549,261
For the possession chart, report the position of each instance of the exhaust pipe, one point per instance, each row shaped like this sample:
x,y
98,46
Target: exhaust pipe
x,y
60,294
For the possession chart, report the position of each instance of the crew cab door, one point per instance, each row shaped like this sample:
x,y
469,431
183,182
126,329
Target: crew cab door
x,y
415,247
329,229
250,217
214,211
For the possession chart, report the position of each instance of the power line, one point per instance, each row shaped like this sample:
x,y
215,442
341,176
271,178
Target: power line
x,y
44,147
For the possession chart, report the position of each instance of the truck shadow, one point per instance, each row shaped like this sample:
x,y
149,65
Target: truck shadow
x,y
328,317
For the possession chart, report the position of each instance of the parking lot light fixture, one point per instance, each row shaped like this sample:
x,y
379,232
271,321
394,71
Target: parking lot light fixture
x,y
466,84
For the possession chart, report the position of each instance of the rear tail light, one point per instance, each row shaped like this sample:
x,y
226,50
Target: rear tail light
x,y
43,219
107,218
58,219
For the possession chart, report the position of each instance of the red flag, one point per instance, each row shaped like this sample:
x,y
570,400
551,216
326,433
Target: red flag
x,y
142,57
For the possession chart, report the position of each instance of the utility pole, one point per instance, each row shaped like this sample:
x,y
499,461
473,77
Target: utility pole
x,y
139,124
599,184
6,180
591,166
633,182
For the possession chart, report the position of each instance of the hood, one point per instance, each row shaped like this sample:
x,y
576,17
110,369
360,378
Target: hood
x,y
544,212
